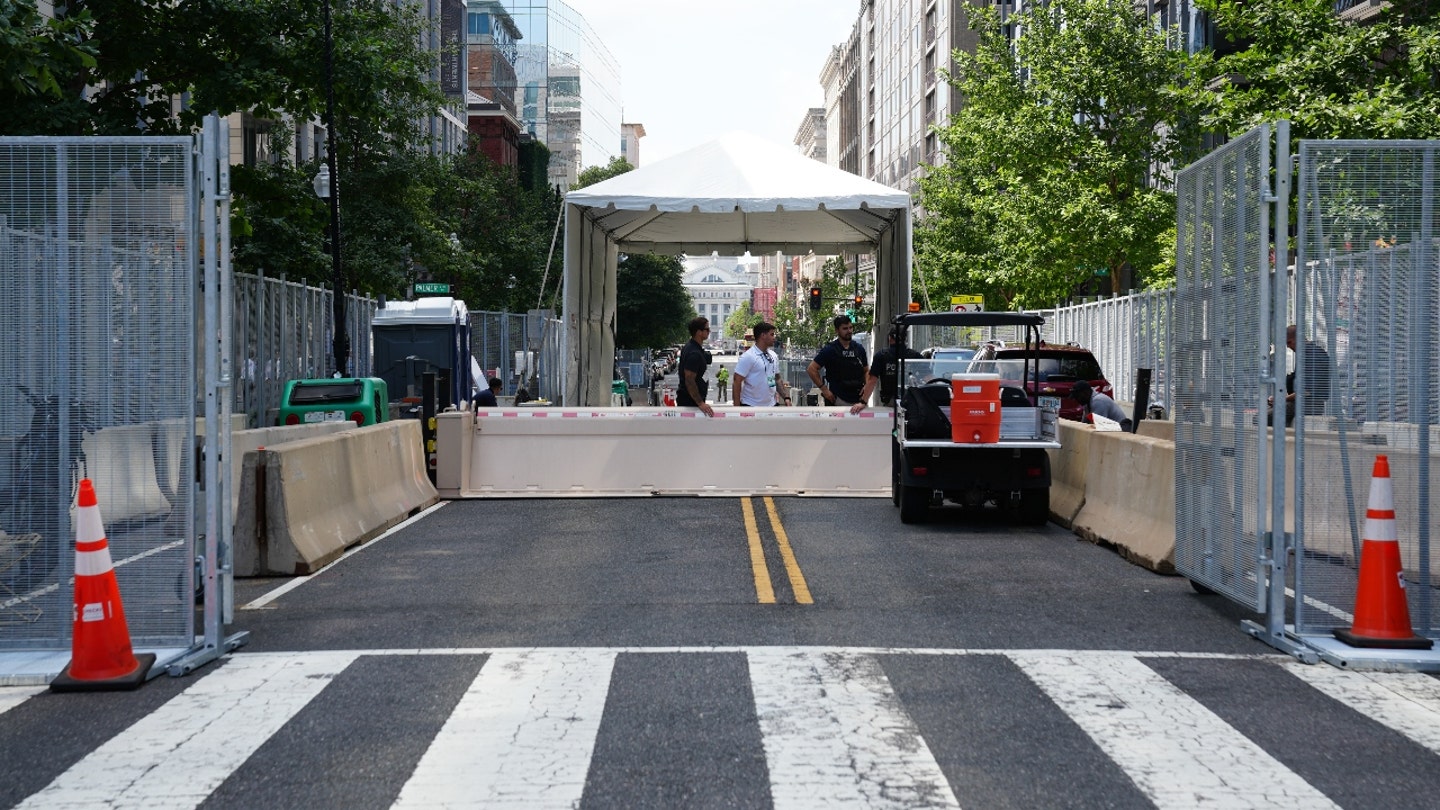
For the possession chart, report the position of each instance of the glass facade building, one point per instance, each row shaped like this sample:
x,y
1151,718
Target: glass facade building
x,y
567,87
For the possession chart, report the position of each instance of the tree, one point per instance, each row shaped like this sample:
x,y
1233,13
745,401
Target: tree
x,y
741,321
652,307
1299,60
804,328
594,174
38,56
1046,189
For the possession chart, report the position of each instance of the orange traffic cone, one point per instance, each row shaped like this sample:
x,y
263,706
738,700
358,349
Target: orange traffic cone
x,y
101,658
1382,618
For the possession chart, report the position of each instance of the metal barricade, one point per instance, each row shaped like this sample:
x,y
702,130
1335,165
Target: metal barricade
x,y
1221,342
1367,297
98,300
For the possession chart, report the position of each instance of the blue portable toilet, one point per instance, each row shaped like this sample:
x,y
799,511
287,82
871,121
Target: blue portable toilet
x,y
428,334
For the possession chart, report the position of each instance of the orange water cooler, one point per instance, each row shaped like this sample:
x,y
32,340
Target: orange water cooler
x,y
975,408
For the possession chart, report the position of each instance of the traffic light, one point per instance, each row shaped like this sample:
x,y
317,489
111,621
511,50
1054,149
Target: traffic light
x,y
859,302
815,298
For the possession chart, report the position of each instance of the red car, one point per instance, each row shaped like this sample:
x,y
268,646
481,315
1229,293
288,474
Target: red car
x,y
1060,366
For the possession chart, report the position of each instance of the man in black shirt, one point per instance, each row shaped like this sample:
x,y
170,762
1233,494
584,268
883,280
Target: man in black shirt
x,y
487,398
844,363
693,362
885,368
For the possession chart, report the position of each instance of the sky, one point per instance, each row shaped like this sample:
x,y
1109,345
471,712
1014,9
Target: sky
x,y
693,69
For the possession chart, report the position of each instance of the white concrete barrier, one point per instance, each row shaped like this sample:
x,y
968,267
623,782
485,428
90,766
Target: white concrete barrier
x,y
608,452
316,497
1068,467
1130,498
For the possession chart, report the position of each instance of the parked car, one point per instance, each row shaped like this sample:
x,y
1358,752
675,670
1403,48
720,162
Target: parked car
x,y
1060,366
964,353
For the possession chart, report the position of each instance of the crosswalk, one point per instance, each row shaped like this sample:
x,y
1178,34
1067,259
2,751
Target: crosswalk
x,y
792,727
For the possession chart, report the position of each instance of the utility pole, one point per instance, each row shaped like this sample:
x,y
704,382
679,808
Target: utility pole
x,y
337,276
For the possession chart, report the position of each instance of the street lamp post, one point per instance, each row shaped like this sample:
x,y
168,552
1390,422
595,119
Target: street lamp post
x,y
337,276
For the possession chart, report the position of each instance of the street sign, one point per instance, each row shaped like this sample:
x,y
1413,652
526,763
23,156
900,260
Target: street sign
x,y
967,303
431,288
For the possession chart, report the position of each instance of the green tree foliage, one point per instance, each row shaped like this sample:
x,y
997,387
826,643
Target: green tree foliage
x,y
651,304
1299,60
803,328
399,204
591,175
741,321
1045,191
38,58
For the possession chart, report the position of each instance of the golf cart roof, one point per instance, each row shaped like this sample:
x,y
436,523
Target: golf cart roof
x,y
968,319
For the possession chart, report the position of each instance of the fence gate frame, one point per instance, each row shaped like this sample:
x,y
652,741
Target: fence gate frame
x,y
215,559
1231,213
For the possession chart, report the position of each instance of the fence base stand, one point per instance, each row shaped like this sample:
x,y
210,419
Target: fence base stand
x,y
1284,641
201,656
1340,654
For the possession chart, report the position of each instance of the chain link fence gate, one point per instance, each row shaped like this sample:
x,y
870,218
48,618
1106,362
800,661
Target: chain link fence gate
x,y
1367,295
1226,319
100,300
522,351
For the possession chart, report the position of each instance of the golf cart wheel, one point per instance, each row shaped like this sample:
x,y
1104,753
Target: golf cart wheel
x,y
1035,506
914,505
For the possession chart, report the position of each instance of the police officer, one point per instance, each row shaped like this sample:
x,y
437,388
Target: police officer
x,y
885,369
844,363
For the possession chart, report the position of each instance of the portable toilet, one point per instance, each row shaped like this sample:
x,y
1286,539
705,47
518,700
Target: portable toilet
x,y
428,334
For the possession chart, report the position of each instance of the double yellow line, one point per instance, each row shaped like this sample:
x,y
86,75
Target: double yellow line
x,y
764,591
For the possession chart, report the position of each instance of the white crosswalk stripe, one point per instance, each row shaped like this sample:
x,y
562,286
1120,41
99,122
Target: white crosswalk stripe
x,y
1400,700
834,731
1177,751
521,736
176,756
836,735
12,696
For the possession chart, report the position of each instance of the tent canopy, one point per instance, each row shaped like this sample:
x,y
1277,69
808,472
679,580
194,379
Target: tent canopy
x,y
734,194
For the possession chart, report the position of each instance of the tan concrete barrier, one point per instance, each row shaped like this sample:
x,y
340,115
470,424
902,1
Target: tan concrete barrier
x,y
316,497
1130,498
1157,429
244,442
619,452
121,461
454,440
1068,467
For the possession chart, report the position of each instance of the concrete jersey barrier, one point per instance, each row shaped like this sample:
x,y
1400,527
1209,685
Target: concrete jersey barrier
x,y
316,497
1130,497
1068,467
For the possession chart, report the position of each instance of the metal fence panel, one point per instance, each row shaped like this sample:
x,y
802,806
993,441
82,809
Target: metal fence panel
x,y
1368,293
1219,360
1124,334
522,350
282,331
98,305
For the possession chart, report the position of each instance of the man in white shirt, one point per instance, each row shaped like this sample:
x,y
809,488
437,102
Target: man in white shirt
x,y
757,374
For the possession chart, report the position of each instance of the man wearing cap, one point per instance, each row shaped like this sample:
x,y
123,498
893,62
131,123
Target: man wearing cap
x,y
1098,403
885,369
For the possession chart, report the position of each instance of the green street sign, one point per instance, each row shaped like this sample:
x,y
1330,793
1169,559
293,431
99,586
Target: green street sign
x,y
430,288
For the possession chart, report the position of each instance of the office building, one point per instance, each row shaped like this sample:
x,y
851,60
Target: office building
x,y
630,135
567,91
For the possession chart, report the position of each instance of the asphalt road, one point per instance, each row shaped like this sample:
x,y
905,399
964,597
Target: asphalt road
x,y
698,652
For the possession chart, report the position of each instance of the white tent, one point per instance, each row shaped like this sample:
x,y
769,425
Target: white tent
x,y
734,194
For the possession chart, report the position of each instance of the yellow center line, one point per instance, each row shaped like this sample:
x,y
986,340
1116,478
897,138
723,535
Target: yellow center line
x,y
764,591
792,568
